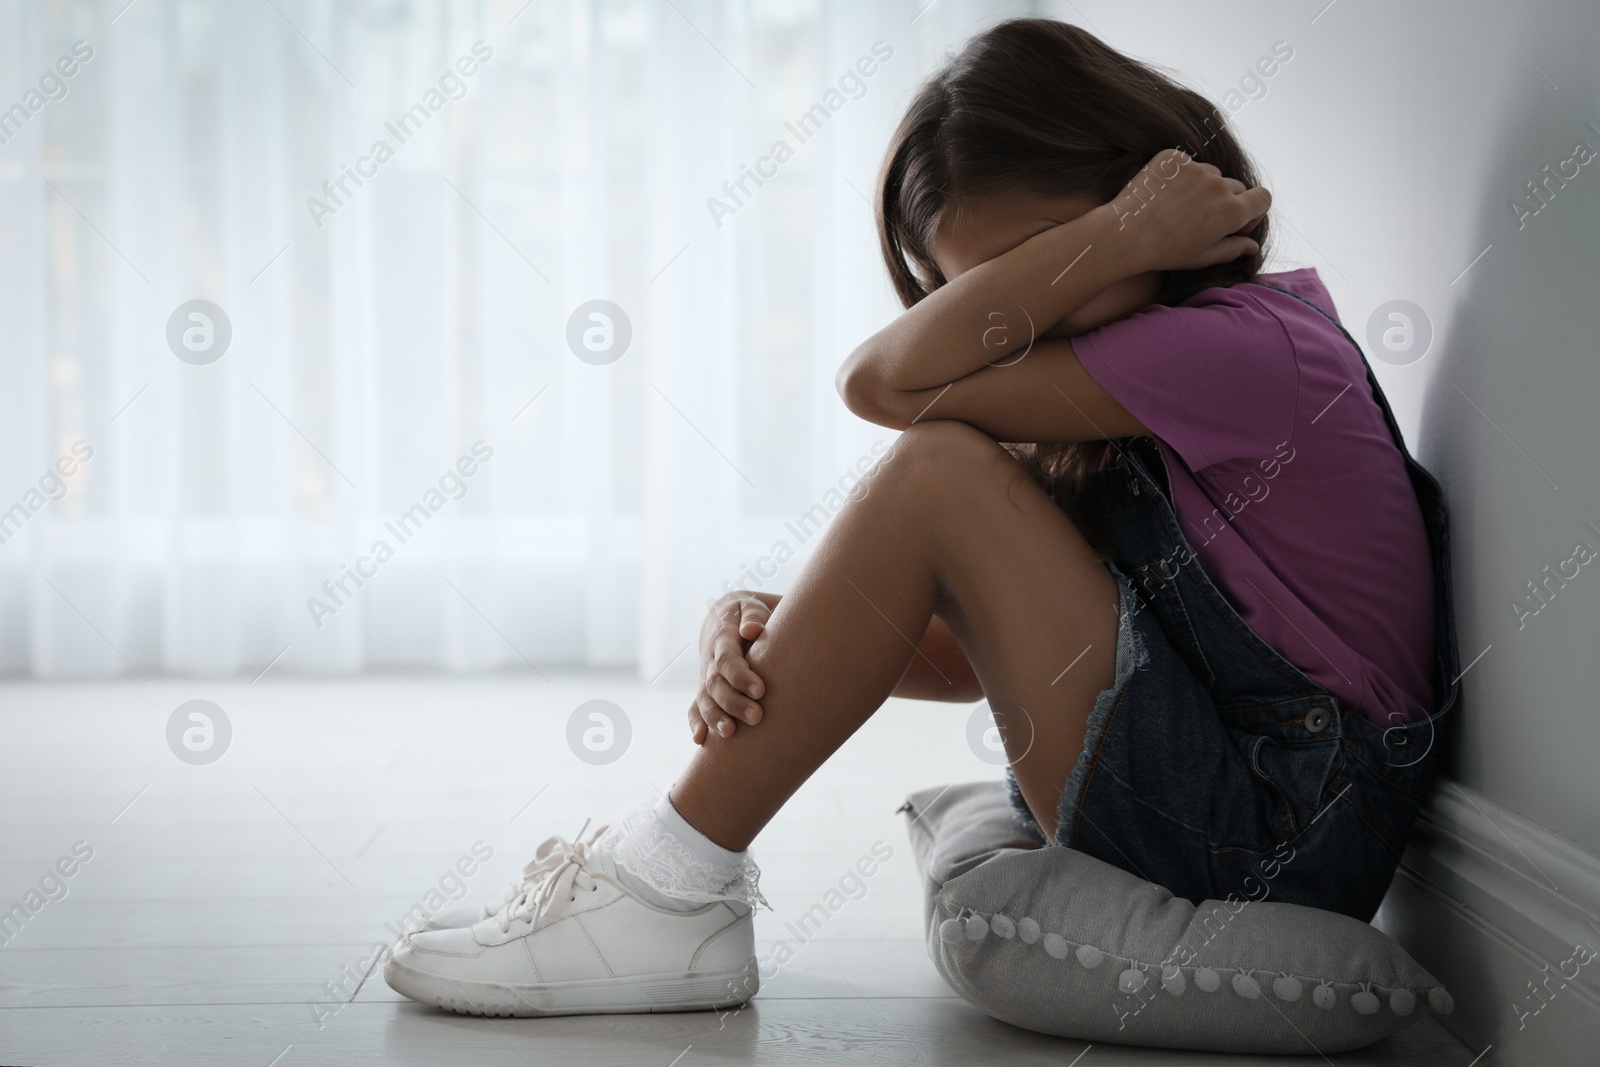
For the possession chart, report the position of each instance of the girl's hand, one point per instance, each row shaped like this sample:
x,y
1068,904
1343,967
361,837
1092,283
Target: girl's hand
x,y
728,689
1177,214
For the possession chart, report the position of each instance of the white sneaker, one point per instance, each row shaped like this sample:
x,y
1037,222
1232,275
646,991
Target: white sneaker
x,y
546,859
575,941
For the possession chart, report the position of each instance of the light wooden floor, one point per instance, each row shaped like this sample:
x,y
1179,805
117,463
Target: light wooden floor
x,y
219,902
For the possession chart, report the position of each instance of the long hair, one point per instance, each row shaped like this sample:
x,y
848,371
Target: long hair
x,y
1044,106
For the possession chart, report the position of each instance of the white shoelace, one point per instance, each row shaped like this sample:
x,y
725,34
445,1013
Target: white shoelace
x,y
559,868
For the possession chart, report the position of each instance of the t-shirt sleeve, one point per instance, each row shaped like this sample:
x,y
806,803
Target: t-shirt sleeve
x,y
1215,378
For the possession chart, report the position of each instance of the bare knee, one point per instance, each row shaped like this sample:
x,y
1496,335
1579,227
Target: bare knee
x,y
940,453
945,438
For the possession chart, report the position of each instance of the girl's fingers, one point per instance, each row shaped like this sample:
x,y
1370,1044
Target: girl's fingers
x,y
1231,248
753,616
1256,203
1254,207
728,687
715,718
742,678
727,660
731,701
697,725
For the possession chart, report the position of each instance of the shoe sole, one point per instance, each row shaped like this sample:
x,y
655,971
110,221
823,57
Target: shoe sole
x,y
630,995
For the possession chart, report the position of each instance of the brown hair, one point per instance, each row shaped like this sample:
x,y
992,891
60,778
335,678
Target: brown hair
x,y
1045,106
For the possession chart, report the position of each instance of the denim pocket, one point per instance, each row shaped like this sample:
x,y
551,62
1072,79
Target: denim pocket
x,y
1295,775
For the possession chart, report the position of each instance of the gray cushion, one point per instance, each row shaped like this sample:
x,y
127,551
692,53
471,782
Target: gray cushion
x,y
1056,941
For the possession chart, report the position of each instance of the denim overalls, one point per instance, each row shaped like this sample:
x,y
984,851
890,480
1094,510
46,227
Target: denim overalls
x,y
1216,768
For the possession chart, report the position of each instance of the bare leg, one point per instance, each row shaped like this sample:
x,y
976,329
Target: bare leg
x,y
952,525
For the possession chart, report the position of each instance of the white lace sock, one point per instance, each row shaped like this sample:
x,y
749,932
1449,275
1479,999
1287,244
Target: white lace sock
x,y
662,858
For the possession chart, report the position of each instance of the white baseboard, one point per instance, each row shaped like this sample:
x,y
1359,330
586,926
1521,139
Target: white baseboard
x,y
1486,900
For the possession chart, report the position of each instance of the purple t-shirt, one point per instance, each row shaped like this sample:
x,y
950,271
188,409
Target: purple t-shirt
x,y
1286,481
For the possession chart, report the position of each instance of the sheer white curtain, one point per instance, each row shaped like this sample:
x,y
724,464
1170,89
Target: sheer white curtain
x,y
382,329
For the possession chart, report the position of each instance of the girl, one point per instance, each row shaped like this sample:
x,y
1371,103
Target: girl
x,y
1204,591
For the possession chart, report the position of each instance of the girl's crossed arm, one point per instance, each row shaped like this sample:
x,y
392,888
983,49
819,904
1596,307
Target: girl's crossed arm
x,y
977,349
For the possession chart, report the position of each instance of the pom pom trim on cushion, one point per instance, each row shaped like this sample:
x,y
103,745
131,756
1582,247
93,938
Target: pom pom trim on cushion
x,y
1132,977
1366,1001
